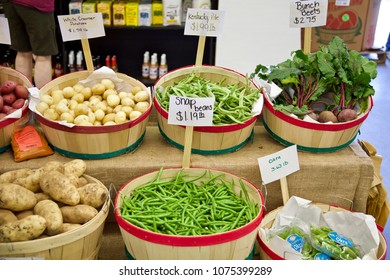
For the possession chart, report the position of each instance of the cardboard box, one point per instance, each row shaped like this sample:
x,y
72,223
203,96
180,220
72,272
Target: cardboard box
x,y
105,7
347,22
371,21
119,14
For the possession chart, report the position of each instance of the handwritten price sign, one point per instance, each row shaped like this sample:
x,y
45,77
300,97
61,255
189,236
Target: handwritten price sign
x,y
278,165
81,26
191,111
204,22
308,13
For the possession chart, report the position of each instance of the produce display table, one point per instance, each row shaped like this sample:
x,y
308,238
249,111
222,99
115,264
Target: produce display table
x,y
342,178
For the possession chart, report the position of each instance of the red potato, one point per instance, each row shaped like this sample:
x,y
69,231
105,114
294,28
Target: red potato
x,y
6,109
1,103
2,115
7,87
19,103
21,91
9,98
11,111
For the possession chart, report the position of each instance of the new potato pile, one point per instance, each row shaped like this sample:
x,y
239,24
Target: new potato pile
x,y
101,104
50,200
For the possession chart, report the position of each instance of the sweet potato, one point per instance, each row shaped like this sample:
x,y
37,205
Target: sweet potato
x,y
78,214
22,230
16,198
93,194
7,216
52,214
59,187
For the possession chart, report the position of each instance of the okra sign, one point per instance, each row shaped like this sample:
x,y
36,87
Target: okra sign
x,y
308,13
278,165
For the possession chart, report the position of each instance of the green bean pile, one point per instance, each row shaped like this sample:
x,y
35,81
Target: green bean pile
x,y
188,207
233,103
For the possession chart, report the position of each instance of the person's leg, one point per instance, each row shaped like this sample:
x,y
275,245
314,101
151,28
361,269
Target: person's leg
x,y
43,70
24,63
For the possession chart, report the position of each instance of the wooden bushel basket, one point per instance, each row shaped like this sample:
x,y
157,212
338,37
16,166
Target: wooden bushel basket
x,y
147,245
82,243
9,126
93,142
266,253
310,136
206,140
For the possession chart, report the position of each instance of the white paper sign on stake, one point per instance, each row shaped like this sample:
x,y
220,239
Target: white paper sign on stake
x,y
278,165
203,22
81,26
191,111
342,2
5,37
308,13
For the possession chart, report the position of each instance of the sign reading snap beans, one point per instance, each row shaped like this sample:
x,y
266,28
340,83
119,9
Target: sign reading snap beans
x,y
202,22
81,26
278,165
191,111
308,13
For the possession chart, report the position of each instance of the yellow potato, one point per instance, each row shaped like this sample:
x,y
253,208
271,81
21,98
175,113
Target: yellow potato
x,y
75,167
24,214
25,229
7,216
52,214
59,187
78,214
68,227
10,176
93,194
16,198
41,196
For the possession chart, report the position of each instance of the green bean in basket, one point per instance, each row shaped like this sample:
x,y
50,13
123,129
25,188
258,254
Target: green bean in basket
x,y
188,207
233,103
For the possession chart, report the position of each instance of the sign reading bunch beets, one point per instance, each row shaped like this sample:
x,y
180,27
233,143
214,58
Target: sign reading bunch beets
x,y
191,111
308,13
81,26
204,22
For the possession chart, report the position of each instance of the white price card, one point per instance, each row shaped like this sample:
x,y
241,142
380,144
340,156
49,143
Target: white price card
x,y
203,22
5,37
278,165
342,2
81,26
308,13
191,111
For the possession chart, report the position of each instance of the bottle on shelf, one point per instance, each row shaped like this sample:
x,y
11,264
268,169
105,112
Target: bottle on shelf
x,y
157,12
163,69
145,13
79,61
114,65
153,73
146,66
71,66
108,61
58,68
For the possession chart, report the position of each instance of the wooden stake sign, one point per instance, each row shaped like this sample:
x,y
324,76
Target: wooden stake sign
x,y
81,27
201,23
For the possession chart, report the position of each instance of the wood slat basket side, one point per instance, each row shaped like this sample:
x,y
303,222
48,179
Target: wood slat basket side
x,y
82,243
154,246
